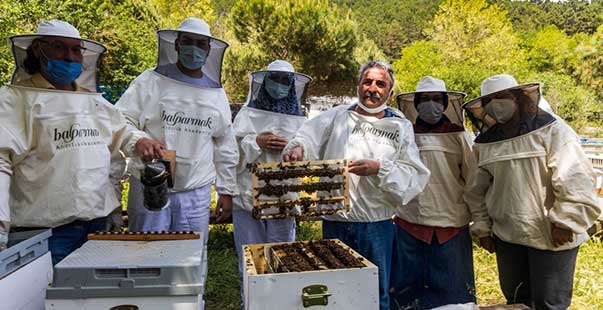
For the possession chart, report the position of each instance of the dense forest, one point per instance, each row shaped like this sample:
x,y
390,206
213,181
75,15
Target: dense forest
x,y
460,41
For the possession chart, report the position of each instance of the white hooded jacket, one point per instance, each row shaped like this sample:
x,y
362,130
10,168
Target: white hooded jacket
x,y
532,181
248,124
195,121
57,145
342,133
450,159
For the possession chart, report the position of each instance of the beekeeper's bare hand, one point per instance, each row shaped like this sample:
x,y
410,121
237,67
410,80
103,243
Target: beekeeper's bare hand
x,y
223,208
295,154
560,235
271,142
364,167
488,244
149,149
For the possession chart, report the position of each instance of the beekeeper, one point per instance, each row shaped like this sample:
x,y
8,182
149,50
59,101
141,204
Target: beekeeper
x,y
537,185
386,171
181,103
263,127
56,138
433,260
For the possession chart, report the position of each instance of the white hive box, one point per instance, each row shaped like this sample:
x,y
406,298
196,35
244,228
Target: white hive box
x,y
327,289
25,271
130,275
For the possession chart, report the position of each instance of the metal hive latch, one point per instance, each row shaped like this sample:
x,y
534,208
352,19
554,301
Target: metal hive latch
x,y
315,295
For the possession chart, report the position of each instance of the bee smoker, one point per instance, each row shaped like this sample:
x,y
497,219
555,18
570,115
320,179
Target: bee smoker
x,y
155,178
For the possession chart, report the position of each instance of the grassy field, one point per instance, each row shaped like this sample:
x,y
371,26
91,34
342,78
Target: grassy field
x,y
222,291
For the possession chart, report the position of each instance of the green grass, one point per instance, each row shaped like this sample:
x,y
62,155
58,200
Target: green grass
x,y
222,285
222,291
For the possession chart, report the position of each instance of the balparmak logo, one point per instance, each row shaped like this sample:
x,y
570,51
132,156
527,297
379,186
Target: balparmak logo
x,y
74,132
179,118
365,129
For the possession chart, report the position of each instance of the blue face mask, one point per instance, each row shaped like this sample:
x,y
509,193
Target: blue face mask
x,y
63,72
276,90
192,57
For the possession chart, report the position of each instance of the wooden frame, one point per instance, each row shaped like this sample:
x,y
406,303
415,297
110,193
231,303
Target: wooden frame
x,y
257,257
332,173
144,236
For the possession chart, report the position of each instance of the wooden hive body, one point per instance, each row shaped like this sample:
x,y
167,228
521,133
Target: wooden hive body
x,y
347,288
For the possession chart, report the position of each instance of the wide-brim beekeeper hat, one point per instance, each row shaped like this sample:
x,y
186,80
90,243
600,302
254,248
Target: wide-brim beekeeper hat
x,y
167,47
490,88
428,84
92,51
500,83
299,80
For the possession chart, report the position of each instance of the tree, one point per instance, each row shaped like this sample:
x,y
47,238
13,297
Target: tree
x,y
173,12
468,41
572,16
550,49
392,24
590,55
127,28
577,105
317,38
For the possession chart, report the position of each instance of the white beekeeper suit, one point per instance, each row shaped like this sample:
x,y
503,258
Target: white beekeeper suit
x,y
343,133
448,155
276,108
532,178
55,146
260,115
538,187
380,140
191,116
433,263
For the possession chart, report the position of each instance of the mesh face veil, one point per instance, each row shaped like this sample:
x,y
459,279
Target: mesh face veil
x,y
278,89
435,104
506,109
196,31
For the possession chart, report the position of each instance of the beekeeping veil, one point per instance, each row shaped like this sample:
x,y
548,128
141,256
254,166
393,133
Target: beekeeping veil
x,y
278,89
452,114
168,56
92,52
525,115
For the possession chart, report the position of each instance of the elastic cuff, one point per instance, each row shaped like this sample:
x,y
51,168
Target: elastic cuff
x,y
226,192
130,147
385,166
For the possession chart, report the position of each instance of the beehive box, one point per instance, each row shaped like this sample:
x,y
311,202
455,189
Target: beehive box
x,y
300,275
147,275
25,270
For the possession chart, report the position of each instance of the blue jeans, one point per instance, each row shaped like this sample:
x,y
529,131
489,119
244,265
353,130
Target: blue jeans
x,y
69,237
426,276
540,279
374,241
